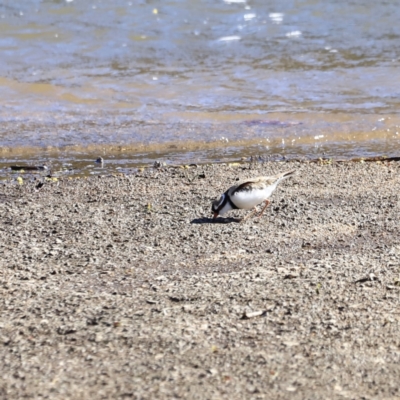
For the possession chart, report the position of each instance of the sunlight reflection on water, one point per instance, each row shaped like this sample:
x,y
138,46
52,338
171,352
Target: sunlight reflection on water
x,y
95,74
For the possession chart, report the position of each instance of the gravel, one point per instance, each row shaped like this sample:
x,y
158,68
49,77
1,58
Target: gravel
x,y
123,287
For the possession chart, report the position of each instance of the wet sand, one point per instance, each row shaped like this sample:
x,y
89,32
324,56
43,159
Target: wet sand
x,y
123,287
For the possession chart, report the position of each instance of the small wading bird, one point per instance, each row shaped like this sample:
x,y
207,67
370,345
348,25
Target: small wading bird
x,y
248,195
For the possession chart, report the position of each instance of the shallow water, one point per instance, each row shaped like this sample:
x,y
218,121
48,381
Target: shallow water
x,y
197,81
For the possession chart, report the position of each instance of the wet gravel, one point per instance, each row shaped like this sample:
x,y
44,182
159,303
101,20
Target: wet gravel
x,y
123,286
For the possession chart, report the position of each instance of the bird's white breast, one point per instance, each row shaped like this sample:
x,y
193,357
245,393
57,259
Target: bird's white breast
x,y
248,199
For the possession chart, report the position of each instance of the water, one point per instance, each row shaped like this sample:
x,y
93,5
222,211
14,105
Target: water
x,y
197,80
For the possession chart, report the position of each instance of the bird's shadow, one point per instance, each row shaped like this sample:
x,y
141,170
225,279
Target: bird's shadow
x,y
219,220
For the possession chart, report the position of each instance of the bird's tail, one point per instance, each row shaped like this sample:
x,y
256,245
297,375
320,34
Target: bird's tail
x,y
285,175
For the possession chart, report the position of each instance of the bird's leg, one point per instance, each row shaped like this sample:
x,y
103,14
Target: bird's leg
x,y
267,203
249,215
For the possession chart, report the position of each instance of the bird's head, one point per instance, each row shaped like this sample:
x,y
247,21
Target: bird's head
x,y
217,205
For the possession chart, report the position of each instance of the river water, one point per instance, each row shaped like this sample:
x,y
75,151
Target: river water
x,y
197,80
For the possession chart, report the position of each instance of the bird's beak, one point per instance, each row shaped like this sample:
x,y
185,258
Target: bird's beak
x,y
215,215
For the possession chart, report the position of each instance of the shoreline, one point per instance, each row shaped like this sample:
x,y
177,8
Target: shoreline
x,y
121,285
9,171
135,144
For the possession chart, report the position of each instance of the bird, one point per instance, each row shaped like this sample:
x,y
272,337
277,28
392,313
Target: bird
x,y
248,195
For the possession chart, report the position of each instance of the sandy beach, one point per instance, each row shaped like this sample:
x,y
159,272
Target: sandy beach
x,y
124,287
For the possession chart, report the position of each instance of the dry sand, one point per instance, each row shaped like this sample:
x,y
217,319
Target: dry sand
x,y
123,287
